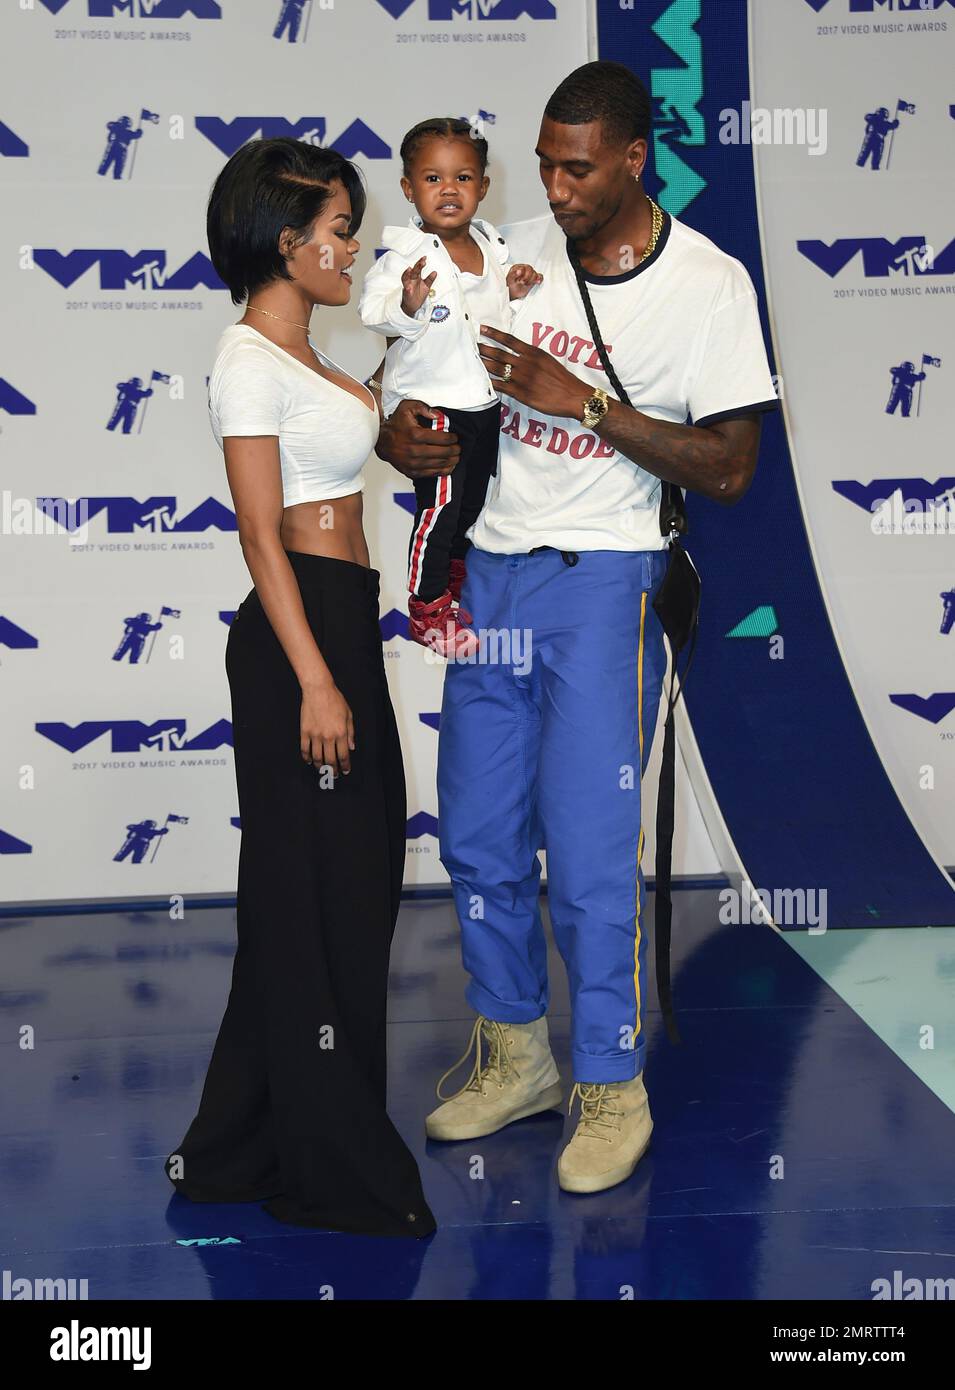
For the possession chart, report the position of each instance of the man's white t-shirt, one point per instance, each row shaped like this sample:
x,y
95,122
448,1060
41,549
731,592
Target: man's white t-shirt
x,y
683,334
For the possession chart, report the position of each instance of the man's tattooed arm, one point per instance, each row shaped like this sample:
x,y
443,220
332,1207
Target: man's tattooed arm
x,y
717,460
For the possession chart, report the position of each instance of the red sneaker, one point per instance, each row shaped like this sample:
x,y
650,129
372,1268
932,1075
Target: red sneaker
x,y
441,627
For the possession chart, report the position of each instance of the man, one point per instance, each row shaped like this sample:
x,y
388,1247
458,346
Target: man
x,y
568,547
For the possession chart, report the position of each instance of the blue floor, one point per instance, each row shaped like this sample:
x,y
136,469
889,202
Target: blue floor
x,y
776,1073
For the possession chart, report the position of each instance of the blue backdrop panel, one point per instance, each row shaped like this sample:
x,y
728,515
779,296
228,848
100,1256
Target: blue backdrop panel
x,y
794,770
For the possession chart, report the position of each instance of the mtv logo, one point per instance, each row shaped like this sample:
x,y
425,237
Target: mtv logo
x,y
143,9
135,736
881,258
920,492
119,270
476,9
356,141
870,6
125,515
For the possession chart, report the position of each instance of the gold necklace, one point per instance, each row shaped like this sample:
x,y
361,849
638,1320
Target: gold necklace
x,y
657,226
276,316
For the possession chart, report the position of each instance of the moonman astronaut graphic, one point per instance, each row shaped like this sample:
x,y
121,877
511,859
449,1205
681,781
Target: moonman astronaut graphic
x,y
118,138
291,18
134,638
139,836
948,611
904,378
877,126
130,393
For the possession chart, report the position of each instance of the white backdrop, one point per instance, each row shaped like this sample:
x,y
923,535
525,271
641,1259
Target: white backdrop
x,y
105,280
855,295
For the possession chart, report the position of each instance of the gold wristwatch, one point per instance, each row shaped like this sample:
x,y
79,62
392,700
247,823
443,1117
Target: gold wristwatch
x,y
595,408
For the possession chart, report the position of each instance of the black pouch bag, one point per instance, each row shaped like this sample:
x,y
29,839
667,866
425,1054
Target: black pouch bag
x,y
677,605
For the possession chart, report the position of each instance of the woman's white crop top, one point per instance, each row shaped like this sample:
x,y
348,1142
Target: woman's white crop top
x,y
325,432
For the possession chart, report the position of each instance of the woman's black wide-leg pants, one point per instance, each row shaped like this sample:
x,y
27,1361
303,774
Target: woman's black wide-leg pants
x,y
293,1107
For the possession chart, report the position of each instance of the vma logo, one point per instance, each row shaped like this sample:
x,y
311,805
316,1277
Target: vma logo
x,y
135,736
119,270
875,6
125,515
476,9
143,9
356,140
910,256
916,493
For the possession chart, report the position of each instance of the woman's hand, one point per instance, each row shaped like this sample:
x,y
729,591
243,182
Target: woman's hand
x,y
327,728
415,287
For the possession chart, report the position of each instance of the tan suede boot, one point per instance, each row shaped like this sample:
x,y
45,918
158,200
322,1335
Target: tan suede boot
x,y
518,1078
611,1136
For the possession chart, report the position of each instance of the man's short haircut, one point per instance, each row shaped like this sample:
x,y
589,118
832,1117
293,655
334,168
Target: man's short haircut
x,y
606,92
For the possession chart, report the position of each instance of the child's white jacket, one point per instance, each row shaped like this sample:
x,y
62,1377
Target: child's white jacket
x,y
436,358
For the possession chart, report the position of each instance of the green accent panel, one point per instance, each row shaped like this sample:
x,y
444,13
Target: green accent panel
x,y
762,622
677,91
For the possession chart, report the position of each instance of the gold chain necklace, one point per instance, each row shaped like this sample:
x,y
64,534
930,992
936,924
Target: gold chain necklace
x,y
657,227
276,316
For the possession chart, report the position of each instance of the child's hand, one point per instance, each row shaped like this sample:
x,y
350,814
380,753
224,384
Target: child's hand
x,y
521,279
415,287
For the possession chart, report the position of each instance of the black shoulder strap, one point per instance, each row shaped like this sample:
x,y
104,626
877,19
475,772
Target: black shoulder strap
x,y
672,507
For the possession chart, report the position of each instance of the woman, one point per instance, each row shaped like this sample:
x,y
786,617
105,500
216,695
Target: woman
x,y
293,1108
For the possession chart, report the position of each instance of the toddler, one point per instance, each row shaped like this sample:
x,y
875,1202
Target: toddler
x,y
440,278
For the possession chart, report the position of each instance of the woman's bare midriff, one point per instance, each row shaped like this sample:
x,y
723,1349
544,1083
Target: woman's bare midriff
x,y
331,528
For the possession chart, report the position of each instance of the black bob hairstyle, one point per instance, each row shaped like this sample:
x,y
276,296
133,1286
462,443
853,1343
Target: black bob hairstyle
x,y
268,185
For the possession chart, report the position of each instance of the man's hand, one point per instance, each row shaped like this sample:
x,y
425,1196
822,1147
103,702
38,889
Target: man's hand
x,y
415,450
521,279
536,378
415,287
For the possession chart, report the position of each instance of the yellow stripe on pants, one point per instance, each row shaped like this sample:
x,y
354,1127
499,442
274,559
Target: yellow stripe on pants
x,y
636,939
